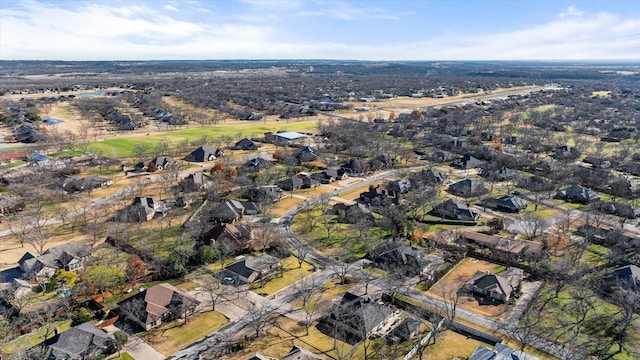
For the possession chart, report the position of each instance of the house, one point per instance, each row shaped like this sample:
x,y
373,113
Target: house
x,y
143,209
381,194
354,318
330,175
70,257
245,144
499,352
265,194
405,259
627,277
204,153
230,211
300,353
578,194
157,305
502,246
467,188
252,268
619,209
235,237
510,203
287,137
566,152
427,177
467,162
496,287
10,205
74,184
454,210
27,134
12,284
255,165
291,184
195,182
498,172
352,214
85,341
306,154
406,330
257,356
160,163
308,183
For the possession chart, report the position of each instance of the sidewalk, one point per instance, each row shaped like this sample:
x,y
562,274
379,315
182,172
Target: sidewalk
x,y
136,347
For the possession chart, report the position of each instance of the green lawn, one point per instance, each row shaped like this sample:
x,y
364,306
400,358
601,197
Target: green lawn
x,y
123,356
292,273
123,146
173,336
30,340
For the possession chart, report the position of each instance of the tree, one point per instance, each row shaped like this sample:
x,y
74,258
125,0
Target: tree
x,y
311,298
259,316
135,268
532,225
300,252
120,338
104,278
213,289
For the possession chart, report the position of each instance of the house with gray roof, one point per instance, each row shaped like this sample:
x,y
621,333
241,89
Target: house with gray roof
x,y
286,137
627,277
467,188
195,182
69,256
204,153
85,341
245,144
498,287
300,353
454,210
578,194
499,352
252,268
157,305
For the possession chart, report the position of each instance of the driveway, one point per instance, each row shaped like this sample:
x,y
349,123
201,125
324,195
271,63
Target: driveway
x,y
136,347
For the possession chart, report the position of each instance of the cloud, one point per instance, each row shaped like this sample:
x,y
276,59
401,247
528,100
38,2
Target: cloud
x,y
133,30
170,8
571,11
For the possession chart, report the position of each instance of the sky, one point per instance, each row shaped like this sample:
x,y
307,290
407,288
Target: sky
x,y
319,29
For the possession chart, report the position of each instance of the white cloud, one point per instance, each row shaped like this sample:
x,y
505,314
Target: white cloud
x,y
571,11
97,31
170,8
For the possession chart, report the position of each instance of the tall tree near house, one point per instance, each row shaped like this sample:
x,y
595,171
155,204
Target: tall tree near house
x,y
311,298
135,268
212,288
300,252
120,338
259,316
104,278
265,233
21,229
532,225
342,265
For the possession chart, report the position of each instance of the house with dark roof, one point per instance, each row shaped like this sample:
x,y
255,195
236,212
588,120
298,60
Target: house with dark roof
x,y
387,193
405,331
74,184
204,153
427,177
85,341
626,277
143,209
352,214
467,188
506,203
467,162
236,237
306,154
255,165
499,352
245,144
496,287
157,305
265,194
252,268
290,184
578,194
354,318
10,205
404,259
195,182
300,353
160,163
330,175
454,210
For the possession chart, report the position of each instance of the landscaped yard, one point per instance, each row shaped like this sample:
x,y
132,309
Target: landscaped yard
x,y
171,337
292,273
30,340
451,345
461,274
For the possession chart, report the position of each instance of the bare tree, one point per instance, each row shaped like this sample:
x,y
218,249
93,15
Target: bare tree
x,y
213,289
311,296
532,225
260,316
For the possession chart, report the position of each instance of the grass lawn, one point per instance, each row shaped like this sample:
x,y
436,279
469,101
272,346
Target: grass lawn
x,y
171,337
355,193
123,356
292,273
285,204
30,340
122,146
450,345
